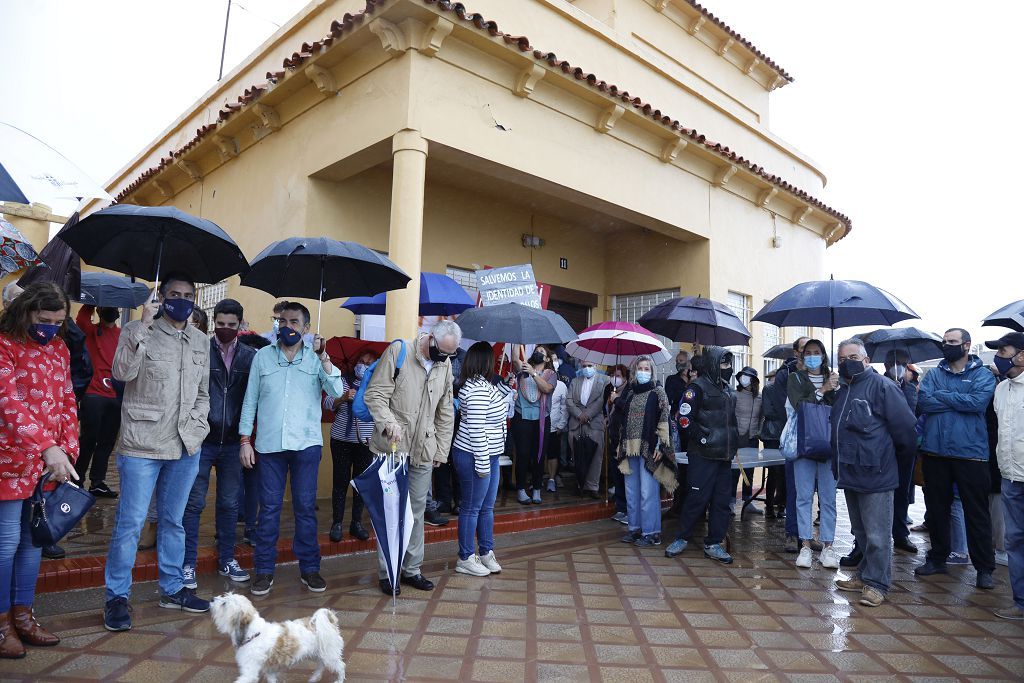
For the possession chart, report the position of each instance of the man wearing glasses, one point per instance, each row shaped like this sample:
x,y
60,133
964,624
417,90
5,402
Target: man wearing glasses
x,y
412,412
284,387
165,365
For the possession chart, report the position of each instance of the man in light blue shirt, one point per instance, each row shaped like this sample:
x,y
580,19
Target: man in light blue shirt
x,y
284,389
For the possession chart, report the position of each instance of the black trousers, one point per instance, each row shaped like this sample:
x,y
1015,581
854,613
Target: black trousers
x,y
901,497
775,488
446,484
973,483
529,468
99,421
709,482
349,459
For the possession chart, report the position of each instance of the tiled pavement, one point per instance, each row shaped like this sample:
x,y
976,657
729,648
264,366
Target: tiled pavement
x,y
575,604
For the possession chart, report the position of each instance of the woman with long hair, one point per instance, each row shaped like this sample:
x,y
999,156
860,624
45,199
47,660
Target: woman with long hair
x,y
536,379
38,432
814,382
480,441
612,393
748,422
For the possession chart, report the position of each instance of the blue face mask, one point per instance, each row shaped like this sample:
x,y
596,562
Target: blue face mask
x,y
1003,365
360,370
42,333
288,336
588,371
179,310
643,377
812,362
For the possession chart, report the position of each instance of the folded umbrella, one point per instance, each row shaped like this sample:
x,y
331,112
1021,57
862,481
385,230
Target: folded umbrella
x,y
917,345
439,295
111,291
611,343
1011,316
515,324
384,488
696,320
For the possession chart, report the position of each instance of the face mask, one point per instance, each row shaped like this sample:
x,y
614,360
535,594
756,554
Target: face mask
x,y
109,315
359,370
537,358
557,363
897,372
744,381
588,371
179,310
616,382
435,353
812,362
42,333
643,376
1003,365
953,353
225,335
849,369
726,374
288,336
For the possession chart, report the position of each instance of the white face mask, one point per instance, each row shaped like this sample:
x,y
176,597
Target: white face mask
x,y
616,381
744,381
557,363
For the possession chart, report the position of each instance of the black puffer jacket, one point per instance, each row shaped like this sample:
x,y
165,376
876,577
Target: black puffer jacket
x,y
709,409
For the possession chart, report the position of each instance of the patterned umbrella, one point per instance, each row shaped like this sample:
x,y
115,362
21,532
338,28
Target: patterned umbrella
x,y
612,343
16,252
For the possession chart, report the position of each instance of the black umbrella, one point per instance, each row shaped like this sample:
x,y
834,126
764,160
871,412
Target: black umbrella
x,y
111,291
61,265
916,344
696,320
780,352
143,241
321,268
1011,316
515,324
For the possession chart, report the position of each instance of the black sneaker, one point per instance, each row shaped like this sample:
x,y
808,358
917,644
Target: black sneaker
x,y
335,534
906,545
117,615
929,568
984,581
434,518
262,584
853,559
54,552
314,582
101,490
186,601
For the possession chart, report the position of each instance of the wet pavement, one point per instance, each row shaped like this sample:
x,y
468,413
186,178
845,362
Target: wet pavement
x,y
575,604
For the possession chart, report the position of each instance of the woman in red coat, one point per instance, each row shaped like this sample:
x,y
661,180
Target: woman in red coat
x,y
38,432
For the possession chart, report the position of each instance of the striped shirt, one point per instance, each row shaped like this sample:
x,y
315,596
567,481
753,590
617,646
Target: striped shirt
x,y
483,408
346,426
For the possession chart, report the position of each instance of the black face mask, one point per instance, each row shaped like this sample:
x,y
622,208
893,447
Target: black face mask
x,y
849,369
109,315
953,352
435,353
537,358
726,374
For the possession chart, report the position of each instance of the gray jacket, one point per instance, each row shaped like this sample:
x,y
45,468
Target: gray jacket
x,y
166,396
594,408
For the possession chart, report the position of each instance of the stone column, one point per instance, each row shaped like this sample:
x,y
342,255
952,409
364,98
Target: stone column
x,y
405,244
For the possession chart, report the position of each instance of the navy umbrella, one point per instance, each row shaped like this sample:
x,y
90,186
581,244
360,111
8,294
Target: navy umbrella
x,y
780,352
321,268
834,304
696,320
111,291
439,295
143,241
1011,316
917,345
384,488
515,324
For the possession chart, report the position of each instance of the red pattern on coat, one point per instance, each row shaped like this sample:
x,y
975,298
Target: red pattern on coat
x,y
37,410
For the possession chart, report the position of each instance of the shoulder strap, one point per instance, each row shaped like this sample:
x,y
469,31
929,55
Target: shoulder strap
x,y
400,360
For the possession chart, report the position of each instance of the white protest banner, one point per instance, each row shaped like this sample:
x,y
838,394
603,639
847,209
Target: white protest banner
x,y
507,285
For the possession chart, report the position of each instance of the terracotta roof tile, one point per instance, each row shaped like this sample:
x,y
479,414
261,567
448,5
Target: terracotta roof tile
x,y
765,59
350,21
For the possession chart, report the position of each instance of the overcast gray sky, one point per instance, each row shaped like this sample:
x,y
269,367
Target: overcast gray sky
x,y
909,107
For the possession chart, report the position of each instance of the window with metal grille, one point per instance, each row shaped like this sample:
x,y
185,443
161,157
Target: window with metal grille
x,y
207,297
741,306
466,279
629,308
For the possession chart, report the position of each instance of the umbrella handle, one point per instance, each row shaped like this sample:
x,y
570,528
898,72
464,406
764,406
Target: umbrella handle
x,y
320,297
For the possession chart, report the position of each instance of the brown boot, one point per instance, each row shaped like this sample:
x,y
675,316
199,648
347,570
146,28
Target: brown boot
x,y
29,630
148,538
10,644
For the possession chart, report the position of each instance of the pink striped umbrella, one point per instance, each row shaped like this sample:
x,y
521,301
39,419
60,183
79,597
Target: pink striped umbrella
x,y
617,342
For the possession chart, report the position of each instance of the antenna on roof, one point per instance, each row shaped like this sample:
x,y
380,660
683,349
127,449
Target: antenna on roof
x,y
224,44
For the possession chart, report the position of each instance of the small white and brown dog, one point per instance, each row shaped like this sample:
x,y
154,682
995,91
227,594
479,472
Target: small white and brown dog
x,y
264,648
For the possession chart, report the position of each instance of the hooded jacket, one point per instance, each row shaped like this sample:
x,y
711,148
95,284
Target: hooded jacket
x,y
707,413
871,425
1009,406
953,405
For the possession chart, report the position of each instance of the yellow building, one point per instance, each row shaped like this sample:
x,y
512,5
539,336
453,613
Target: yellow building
x,y
631,136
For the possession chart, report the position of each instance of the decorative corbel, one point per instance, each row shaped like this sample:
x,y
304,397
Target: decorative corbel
x,y
608,117
661,5
527,79
696,25
190,168
268,116
801,214
833,231
391,36
435,34
671,149
724,174
765,197
751,66
777,82
228,146
163,188
322,79
726,44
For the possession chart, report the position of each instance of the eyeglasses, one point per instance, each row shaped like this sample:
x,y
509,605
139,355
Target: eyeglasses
x,y
441,353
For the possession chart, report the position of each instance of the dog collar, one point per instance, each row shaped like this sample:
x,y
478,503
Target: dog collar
x,y
249,639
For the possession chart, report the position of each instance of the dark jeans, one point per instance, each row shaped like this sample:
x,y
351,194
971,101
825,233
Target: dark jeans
x,y
619,482
709,482
529,468
274,469
249,498
901,498
446,484
973,484
775,489
229,480
349,460
791,524
99,420
870,523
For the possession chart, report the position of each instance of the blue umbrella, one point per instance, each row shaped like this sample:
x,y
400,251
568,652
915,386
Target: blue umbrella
x,y
112,291
834,304
439,295
384,487
1011,316
696,320
918,345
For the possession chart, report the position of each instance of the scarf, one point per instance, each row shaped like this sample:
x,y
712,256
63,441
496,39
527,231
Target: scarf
x,y
645,442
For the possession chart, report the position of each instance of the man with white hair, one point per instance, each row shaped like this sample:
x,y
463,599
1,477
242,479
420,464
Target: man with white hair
x,y
11,292
410,398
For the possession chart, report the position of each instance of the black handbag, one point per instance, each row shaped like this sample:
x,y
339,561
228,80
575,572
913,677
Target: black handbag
x,y
53,516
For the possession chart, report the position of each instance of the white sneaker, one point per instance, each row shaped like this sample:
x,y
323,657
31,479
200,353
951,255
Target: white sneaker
x,y
471,565
551,485
1001,558
536,497
805,557
829,558
489,562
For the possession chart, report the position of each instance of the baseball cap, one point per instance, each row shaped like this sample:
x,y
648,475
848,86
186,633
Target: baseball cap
x,y
1014,339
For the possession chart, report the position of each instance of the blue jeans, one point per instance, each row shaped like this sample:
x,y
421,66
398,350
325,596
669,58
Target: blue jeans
x,y
229,478
791,526
643,499
957,528
476,508
19,557
274,469
871,524
142,478
1013,514
806,473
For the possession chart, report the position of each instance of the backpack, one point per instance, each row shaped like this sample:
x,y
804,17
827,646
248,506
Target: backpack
x,y
359,402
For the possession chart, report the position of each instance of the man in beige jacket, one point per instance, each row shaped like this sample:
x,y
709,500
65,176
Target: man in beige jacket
x,y
165,365
413,414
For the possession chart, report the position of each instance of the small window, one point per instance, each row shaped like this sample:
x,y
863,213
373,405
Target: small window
x,y
630,307
208,296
